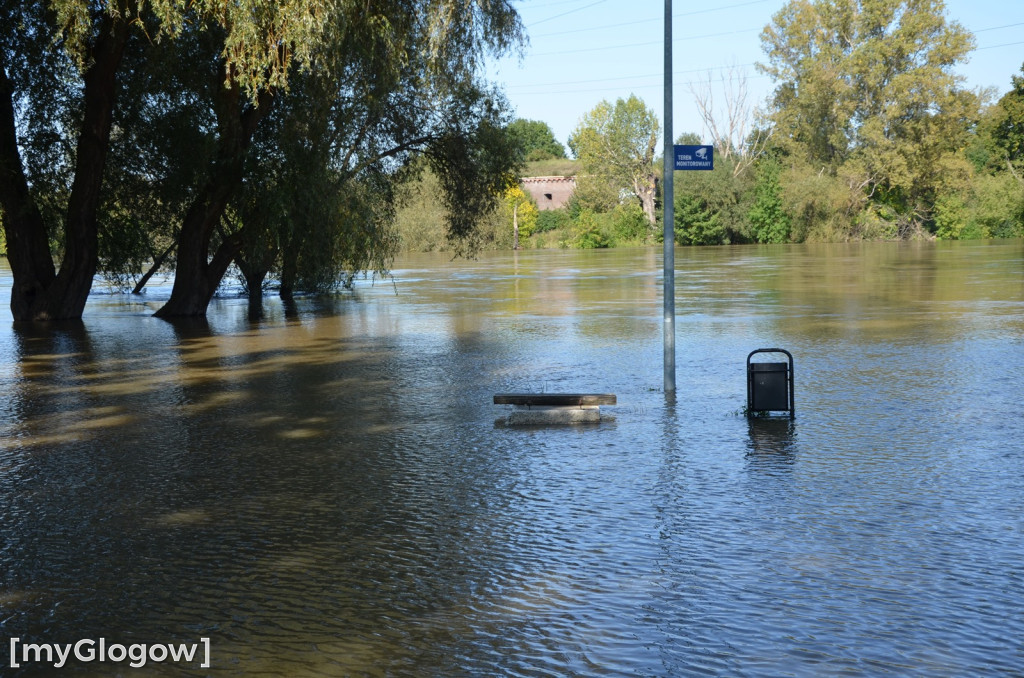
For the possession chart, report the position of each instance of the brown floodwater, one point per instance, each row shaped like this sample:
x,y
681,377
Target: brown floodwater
x,y
332,492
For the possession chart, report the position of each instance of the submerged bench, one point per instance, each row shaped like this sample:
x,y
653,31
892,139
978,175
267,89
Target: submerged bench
x,y
554,408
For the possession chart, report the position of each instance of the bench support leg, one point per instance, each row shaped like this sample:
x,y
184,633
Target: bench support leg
x,y
540,416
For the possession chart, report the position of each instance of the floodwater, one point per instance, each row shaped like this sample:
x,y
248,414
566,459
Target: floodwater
x,y
334,493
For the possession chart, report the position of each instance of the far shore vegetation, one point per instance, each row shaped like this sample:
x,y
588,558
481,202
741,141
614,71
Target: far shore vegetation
x,y
869,137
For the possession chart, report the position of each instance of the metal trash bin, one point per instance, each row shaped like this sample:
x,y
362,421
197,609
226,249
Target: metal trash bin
x,y
770,384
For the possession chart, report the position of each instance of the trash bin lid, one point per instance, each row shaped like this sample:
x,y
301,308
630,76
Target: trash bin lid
x,y
768,367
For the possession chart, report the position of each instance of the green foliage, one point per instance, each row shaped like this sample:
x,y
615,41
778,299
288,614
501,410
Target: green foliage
x,y
870,86
551,220
951,219
724,195
420,216
1007,126
696,223
821,206
587,232
536,139
554,167
629,225
615,145
992,208
594,193
768,219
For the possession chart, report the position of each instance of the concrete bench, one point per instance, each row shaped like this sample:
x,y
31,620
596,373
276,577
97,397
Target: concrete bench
x,y
554,408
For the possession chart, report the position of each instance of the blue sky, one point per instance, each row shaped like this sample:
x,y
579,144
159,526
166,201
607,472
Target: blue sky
x,y
583,51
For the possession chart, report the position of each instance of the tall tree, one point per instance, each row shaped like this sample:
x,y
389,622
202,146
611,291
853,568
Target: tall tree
x,y
40,290
537,139
869,86
1007,128
733,124
424,96
617,142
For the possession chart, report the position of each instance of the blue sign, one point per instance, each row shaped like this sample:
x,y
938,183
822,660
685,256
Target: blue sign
x,y
695,157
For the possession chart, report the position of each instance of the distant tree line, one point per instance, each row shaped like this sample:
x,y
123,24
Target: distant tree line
x,y
868,134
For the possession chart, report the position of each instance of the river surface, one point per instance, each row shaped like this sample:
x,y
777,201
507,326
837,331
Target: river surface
x,y
333,492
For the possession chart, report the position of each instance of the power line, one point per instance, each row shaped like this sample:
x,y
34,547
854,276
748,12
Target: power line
x,y
1005,44
571,11
648,21
564,92
996,28
630,77
605,48
702,11
609,81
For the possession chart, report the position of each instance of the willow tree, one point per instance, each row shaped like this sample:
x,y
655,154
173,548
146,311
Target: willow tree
x,y
62,102
867,89
57,108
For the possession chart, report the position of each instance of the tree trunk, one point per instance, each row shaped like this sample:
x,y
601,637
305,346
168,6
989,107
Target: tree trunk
x,y
254,270
515,226
196,280
157,263
644,189
197,276
290,267
28,248
254,287
39,292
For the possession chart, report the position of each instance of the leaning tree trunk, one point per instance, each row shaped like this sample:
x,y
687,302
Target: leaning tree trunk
x,y
157,263
39,292
197,275
196,279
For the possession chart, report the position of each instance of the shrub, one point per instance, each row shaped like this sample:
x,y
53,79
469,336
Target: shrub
x,y
629,224
550,220
586,234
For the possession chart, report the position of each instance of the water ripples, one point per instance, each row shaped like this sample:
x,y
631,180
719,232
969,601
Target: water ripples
x,y
332,496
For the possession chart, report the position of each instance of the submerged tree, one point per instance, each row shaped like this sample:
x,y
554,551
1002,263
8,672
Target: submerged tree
x,y
57,108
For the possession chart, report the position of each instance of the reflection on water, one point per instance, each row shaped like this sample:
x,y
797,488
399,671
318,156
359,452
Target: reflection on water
x,y
327,494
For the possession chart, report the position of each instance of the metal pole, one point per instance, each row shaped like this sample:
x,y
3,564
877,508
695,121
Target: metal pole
x,y
668,200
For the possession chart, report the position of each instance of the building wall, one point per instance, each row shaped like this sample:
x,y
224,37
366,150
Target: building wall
x,y
550,193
